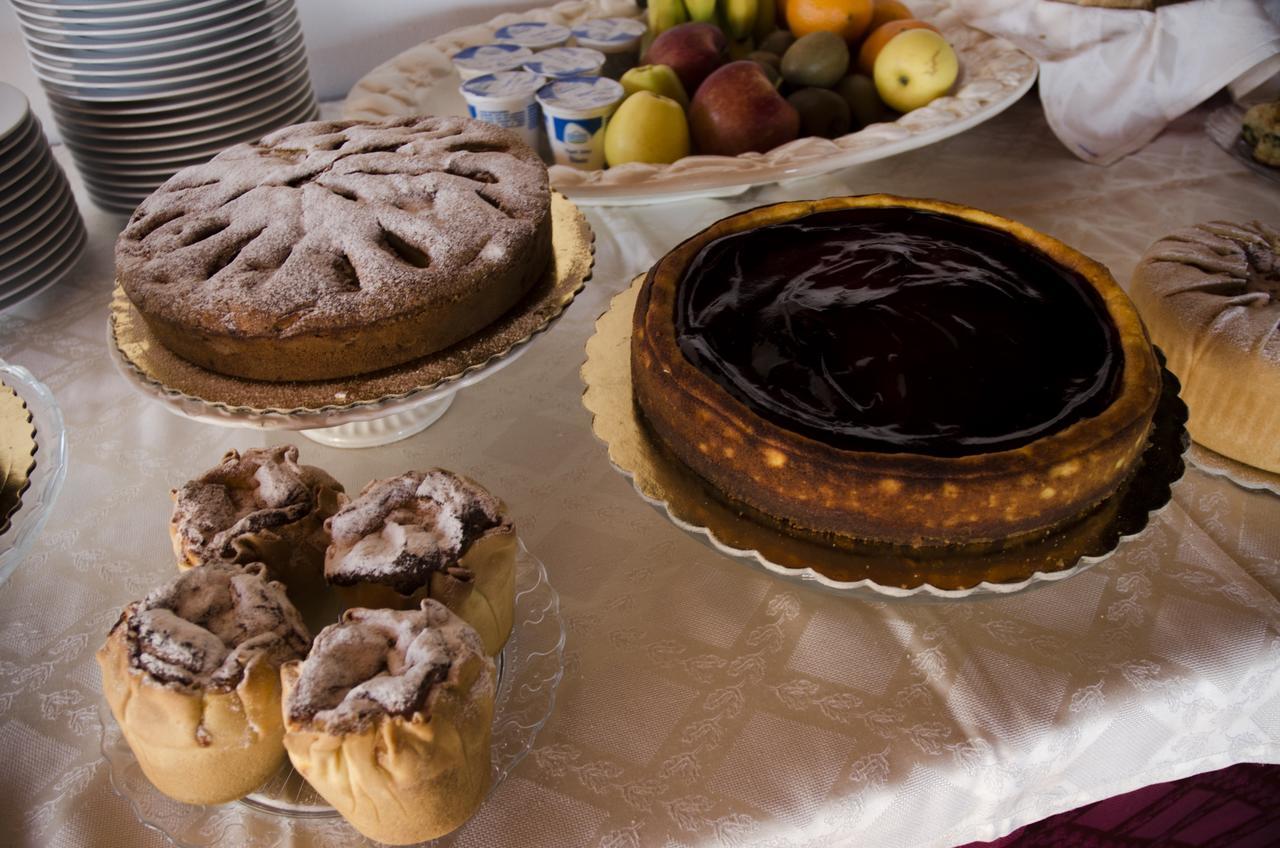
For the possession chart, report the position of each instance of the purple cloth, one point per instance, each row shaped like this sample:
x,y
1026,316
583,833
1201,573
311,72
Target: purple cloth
x,y
1236,807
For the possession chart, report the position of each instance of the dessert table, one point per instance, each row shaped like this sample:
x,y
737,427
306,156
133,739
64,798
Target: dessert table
x,y
706,702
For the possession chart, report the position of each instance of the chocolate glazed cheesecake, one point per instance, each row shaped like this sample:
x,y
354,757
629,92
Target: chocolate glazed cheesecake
x,y
894,370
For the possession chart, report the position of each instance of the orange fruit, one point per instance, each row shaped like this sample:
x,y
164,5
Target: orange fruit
x,y
880,37
848,19
883,11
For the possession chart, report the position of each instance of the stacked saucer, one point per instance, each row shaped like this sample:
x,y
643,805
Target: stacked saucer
x,y
41,232
143,88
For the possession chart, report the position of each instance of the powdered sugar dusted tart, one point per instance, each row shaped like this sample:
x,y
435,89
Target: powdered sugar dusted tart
x,y
427,534
389,718
338,248
1211,296
191,673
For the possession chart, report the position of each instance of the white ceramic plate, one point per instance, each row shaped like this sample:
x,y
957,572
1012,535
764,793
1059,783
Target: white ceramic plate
x,y
22,210
202,48
213,73
57,15
181,119
20,144
263,41
66,260
14,110
195,34
130,158
14,170
292,57
161,24
171,102
56,222
994,75
136,143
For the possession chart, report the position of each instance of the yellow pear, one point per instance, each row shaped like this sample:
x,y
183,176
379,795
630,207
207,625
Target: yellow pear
x,y
914,68
660,79
646,128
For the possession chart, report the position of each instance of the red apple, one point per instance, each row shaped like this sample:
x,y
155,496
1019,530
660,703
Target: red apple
x,y
737,110
693,50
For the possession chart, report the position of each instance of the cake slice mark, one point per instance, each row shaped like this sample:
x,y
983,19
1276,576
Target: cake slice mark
x,y
408,253
202,230
478,175
478,147
345,274
492,202
230,253
148,224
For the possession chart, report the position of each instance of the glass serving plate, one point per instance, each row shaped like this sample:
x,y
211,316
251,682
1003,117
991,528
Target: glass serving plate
x,y
49,472
286,811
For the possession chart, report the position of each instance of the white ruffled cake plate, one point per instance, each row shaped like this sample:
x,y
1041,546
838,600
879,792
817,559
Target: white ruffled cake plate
x,y
286,811
994,75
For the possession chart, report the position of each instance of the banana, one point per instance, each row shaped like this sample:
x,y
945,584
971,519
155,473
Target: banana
x,y
664,14
766,19
701,10
739,16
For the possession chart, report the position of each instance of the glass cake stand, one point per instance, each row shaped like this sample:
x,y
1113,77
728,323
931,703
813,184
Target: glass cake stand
x,y
368,409
287,811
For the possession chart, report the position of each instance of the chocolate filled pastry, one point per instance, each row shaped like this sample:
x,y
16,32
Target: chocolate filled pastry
x,y
191,673
427,534
389,720
259,506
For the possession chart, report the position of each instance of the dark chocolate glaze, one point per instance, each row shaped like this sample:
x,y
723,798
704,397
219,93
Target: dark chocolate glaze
x,y
899,331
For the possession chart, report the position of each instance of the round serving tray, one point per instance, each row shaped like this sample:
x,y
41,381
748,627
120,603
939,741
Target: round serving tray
x,y
286,810
32,429
994,74
395,400
1245,476
879,570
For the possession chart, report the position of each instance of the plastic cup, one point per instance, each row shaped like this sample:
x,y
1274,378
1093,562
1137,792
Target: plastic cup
x,y
534,34
507,99
561,62
482,59
617,38
576,111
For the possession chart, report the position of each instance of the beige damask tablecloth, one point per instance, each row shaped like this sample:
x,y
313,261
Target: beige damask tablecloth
x,y
706,703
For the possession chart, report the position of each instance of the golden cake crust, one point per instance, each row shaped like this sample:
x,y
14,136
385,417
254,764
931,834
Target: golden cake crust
x,y
1211,296
899,498
331,249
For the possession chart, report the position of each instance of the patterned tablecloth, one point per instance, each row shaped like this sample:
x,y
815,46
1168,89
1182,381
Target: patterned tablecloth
x,y
705,702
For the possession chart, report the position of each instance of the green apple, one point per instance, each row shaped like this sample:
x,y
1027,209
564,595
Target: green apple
x,y
647,128
659,79
915,67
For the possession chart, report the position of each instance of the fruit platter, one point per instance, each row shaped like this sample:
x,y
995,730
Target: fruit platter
x,y
716,96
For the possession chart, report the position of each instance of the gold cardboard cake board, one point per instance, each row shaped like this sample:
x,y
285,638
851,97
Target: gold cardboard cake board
x,y
573,252
17,452
663,481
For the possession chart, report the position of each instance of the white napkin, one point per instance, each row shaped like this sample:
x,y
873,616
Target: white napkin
x,y
1111,79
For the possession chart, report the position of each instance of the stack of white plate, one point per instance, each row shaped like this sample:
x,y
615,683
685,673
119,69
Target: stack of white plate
x,y
41,232
142,88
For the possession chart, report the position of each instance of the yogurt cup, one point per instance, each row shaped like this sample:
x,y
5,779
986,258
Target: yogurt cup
x,y
509,100
534,34
482,59
560,62
576,111
617,38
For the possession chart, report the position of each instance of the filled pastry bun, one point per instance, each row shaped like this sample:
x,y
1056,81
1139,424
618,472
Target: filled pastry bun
x,y
389,720
191,673
427,534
